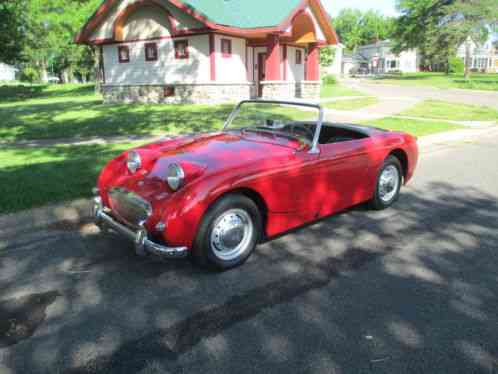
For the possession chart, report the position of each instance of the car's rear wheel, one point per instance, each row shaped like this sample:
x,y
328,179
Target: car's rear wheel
x,y
388,185
229,232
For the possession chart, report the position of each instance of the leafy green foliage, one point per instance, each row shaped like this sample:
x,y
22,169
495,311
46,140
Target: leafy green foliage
x,y
357,28
456,65
327,55
438,27
329,79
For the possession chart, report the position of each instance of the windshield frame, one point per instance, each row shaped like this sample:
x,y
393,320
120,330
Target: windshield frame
x,y
314,145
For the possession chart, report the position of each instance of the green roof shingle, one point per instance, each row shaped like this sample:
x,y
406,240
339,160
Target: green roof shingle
x,y
245,14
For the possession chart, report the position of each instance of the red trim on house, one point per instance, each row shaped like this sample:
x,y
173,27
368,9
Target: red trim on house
x,y
185,54
226,48
212,56
166,37
126,50
151,47
312,63
273,58
319,11
284,62
102,66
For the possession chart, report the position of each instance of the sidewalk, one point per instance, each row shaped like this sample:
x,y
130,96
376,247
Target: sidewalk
x,y
73,213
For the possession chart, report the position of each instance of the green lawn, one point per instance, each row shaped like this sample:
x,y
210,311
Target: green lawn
x,y
36,176
50,112
352,104
450,111
415,127
477,81
338,90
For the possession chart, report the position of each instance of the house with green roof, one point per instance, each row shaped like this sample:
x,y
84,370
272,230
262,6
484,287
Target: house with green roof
x,y
208,51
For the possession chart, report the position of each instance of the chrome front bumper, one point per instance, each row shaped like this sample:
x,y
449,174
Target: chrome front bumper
x,y
143,244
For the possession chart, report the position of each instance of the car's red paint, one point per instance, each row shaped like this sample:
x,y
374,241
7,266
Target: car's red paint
x,y
291,185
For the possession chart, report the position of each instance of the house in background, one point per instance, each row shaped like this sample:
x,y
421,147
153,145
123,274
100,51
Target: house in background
x,y
379,59
7,72
483,58
206,51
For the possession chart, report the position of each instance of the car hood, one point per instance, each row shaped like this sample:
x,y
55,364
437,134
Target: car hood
x,y
215,152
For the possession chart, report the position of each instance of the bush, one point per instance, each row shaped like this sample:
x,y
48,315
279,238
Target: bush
x,y
329,79
30,75
456,65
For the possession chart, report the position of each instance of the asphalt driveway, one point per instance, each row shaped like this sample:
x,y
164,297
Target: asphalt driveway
x,y
410,290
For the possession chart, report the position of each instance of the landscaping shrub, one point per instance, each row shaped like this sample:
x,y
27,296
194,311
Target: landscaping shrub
x,y
329,79
456,65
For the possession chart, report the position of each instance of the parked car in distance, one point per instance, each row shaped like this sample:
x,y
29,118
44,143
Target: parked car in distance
x,y
275,166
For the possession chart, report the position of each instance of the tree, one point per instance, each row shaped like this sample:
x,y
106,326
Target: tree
x,y
12,14
356,28
438,27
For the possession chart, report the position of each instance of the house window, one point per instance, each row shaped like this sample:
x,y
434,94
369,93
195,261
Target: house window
x,y
151,52
226,48
181,49
299,57
123,54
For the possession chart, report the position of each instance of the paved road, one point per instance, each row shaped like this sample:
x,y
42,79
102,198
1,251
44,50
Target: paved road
x,y
410,290
485,98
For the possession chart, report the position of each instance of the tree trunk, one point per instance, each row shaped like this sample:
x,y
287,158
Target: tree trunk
x,y
43,71
467,60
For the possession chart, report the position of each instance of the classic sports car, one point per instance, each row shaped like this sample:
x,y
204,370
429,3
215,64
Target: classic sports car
x,y
274,166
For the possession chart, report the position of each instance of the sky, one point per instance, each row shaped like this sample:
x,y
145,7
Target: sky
x,y
386,7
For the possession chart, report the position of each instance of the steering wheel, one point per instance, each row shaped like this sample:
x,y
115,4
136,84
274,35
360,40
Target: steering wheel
x,y
302,130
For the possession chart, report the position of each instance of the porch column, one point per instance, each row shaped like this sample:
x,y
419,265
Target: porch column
x,y
273,58
312,63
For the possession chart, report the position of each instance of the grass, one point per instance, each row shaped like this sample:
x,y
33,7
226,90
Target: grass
x,y
36,176
488,82
75,111
338,90
415,127
454,112
352,104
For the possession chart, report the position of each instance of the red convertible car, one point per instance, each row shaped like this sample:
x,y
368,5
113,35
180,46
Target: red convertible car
x,y
274,166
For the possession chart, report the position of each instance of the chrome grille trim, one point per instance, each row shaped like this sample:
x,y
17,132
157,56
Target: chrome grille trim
x,y
129,207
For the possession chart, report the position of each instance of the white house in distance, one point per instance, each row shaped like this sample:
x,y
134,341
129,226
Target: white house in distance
x,y
7,72
379,58
483,58
206,51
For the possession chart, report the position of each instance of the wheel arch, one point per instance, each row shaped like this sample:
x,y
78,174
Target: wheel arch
x,y
402,157
253,195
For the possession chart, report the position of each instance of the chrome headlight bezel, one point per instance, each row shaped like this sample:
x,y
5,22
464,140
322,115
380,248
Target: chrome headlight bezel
x,y
175,177
133,161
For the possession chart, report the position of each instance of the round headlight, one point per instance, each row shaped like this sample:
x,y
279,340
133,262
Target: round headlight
x,y
176,176
133,161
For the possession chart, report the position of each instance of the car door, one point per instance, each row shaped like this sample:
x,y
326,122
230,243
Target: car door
x,y
345,178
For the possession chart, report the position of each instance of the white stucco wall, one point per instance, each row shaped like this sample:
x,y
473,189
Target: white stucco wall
x,y
165,70
295,73
7,72
104,31
231,69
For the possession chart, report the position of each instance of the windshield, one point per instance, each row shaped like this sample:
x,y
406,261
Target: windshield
x,y
290,120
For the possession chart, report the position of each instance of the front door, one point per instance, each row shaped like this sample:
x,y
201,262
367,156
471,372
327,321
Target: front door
x,y
261,72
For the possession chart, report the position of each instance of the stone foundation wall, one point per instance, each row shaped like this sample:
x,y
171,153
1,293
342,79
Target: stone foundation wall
x,y
308,90
199,93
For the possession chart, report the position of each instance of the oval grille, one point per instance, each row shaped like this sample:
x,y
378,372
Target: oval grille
x,y
129,207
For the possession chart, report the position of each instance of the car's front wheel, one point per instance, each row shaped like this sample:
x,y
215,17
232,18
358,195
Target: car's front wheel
x,y
229,232
388,185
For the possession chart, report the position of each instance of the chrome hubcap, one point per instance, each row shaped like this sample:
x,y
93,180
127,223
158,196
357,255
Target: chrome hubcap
x,y
389,183
231,234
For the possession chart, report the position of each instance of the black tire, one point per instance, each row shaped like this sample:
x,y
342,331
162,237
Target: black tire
x,y
203,252
377,203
